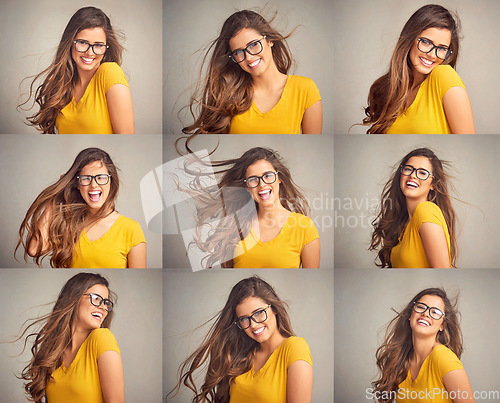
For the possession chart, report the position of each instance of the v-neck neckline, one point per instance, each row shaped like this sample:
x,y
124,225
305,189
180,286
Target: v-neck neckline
x,y
103,235
412,382
257,238
256,108
266,364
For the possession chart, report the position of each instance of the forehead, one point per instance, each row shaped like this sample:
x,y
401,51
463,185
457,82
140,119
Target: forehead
x,y
420,162
432,300
92,35
249,305
243,38
100,289
439,36
93,168
259,167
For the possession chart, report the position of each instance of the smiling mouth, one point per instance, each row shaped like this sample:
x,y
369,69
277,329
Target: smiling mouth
x,y
426,62
423,322
412,185
258,332
265,194
97,315
87,60
95,196
254,64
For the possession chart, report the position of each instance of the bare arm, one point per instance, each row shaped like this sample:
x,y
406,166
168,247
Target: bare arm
x,y
310,255
312,121
136,258
299,382
458,111
435,245
457,381
121,111
110,369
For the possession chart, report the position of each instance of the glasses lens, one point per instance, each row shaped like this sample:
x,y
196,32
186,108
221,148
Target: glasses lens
x,y
81,46
99,49
419,308
252,181
243,323
102,179
85,180
422,174
435,313
238,55
108,305
259,316
255,48
269,177
424,45
407,170
442,53
95,299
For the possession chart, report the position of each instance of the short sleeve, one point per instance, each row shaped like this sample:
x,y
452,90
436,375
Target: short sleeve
x,y
428,212
313,95
310,230
297,349
110,74
447,78
447,361
102,340
136,235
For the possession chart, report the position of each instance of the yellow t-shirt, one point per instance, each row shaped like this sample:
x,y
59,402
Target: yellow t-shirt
x,y
426,114
268,384
286,116
282,252
409,252
428,386
111,250
79,383
90,115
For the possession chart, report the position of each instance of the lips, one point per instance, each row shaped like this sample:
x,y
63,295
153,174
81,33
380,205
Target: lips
x,y
87,60
259,331
97,315
254,64
423,322
426,62
412,184
95,195
265,194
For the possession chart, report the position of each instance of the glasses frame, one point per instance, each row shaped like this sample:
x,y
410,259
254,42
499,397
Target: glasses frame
x,y
90,45
448,50
415,170
261,178
237,322
102,301
93,177
231,56
427,307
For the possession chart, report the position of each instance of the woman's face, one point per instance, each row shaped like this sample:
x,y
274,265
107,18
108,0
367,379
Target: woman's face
x,y
95,195
265,194
260,332
88,61
412,187
90,317
423,63
422,323
257,64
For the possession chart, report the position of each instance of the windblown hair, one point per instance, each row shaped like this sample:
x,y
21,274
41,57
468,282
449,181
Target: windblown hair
x,y
231,203
393,215
227,351
393,356
388,96
55,334
227,90
61,209
56,90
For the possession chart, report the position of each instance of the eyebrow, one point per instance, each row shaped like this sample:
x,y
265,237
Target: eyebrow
x,y
95,43
255,40
247,316
442,45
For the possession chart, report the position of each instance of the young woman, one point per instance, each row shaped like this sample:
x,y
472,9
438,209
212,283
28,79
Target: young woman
x,y
75,221
84,90
422,93
419,359
415,227
262,215
251,352
247,88
75,355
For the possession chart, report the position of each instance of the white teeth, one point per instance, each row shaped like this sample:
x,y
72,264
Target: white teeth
x,y
264,191
97,315
426,62
259,331
412,184
423,322
87,60
255,63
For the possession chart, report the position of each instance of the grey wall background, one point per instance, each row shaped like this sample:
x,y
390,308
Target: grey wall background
x,y
310,161
190,299
366,32
27,294
363,164
31,163
363,302
192,24
30,34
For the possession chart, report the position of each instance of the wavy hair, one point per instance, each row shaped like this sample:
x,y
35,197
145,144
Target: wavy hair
x,y
393,356
227,351
393,216
55,335
226,90
388,96
61,209
233,206
56,90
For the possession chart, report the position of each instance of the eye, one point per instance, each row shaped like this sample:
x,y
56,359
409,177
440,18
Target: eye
x,y
427,42
253,45
237,52
268,175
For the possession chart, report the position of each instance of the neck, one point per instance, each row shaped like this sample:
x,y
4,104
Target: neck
x,y
271,212
422,347
84,76
411,205
268,346
78,336
270,79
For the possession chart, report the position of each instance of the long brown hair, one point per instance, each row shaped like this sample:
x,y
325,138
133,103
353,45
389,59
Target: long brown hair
x,y
55,92
231,203
388,96
227,350
63,205
393,215
55,334
394,355
227,90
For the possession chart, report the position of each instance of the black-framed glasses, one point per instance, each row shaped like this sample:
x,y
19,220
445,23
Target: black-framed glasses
x,y
422,174
258,317
253,49
426,46
98,48
97,300
100,179
434,313
254,181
